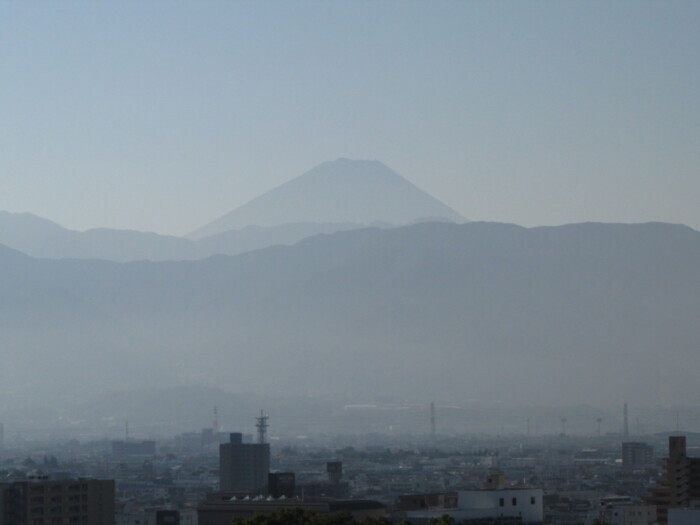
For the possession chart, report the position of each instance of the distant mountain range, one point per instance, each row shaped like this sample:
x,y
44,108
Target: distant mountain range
x,y
578,314
342,191
334,196
40,237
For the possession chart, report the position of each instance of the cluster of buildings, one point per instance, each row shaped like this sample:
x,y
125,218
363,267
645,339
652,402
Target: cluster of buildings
x,y
210,479
574,487
247,486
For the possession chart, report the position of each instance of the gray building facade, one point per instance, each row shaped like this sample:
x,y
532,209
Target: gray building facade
x,y
243,467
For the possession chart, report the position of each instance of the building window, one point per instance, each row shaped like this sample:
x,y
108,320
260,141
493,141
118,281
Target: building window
x,y
501,502
514,501
532,500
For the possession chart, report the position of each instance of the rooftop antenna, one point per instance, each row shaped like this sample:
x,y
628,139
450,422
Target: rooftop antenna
x,y
432,421
563,426
626,426
262,427
678,427
215,425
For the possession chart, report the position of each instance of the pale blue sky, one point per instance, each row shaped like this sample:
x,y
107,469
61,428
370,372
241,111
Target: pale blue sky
x,y
162,116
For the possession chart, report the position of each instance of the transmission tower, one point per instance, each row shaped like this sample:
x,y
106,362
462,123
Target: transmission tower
x,y
262,427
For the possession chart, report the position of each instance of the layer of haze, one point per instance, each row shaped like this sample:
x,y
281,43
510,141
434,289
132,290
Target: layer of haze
x,y
162,116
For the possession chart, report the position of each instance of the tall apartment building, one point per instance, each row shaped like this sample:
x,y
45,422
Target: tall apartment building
x,y
636,455
48,502
243,467
680,483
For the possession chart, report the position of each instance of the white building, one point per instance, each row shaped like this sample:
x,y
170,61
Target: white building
x,y
476,504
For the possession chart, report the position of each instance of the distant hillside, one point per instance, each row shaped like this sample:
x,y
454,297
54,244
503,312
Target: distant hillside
x,y
343,191
578,314
40,237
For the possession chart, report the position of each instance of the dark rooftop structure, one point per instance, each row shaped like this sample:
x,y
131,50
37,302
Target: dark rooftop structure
x,y
221,508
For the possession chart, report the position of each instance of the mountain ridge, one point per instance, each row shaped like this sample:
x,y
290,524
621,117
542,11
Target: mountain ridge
x,y
43,238
596,311
344,190
328,198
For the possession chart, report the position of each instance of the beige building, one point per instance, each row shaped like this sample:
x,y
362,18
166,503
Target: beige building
x,y
629,515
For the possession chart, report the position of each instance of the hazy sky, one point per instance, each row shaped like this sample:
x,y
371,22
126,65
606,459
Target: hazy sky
x,y
162,116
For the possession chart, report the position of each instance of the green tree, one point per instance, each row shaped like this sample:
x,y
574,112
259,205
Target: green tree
x,y
445,519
